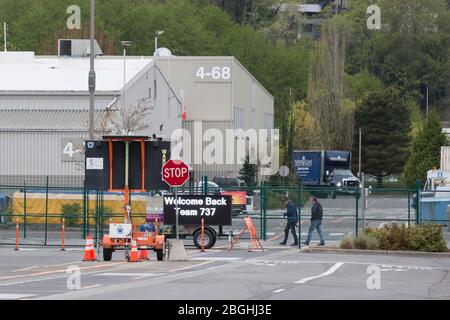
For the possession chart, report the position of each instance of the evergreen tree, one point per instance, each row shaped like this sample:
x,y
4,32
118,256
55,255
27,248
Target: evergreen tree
x,y
426,150
385,121
248,172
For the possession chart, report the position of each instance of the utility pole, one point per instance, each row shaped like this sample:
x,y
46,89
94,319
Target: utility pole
x,y
91,79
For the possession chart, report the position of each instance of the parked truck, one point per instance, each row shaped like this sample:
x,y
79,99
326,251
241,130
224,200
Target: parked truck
x,y
326,168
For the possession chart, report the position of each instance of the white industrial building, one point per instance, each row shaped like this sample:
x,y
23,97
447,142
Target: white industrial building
x,y
44,102
219,93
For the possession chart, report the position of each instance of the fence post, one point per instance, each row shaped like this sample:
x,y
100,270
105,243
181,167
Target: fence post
x,y
261,206
299,216
409,208
84,212
24,210
265,213
88,213
46,211
96,216
357,207
418,201
102,208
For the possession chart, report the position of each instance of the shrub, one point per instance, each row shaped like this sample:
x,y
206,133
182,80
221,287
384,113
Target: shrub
x,y
346,243
365,241
426,237
103,216
71,213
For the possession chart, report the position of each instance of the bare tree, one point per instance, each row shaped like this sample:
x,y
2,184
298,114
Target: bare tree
x,y
326,87
119,120
128,120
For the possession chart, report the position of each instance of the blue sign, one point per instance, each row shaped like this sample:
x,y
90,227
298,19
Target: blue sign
x,y
307,166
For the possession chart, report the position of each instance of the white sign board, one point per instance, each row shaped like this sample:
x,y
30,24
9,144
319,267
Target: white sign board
x,y
120,230
94,163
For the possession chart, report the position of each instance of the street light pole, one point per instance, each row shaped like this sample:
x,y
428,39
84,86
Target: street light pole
x,y
124,44
157,34
91,79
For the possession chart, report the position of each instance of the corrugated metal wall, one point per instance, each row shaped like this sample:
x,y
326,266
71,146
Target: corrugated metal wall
x,y
32,156
52,101
213,101
210,170
205,98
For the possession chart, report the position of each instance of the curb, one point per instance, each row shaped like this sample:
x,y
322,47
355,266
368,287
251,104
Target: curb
x,y
376,252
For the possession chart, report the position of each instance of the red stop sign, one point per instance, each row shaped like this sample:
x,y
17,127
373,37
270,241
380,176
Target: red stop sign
x,y
175,173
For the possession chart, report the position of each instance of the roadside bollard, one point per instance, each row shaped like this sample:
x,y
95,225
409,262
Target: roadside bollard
x,y
17,235
62,235
203,235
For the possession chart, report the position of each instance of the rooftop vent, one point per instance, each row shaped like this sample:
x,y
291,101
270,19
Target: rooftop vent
x,y
77,48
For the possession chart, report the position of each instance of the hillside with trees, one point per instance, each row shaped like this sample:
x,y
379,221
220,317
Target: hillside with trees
x,y
322,87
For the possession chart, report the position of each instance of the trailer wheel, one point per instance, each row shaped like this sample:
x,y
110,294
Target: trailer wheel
x,y
210,238
159,254
107,254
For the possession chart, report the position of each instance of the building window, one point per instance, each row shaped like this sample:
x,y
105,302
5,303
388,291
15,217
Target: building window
x,y
150,93
238,118
156,91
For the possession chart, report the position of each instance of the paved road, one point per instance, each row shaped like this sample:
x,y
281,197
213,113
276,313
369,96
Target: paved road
x,y
215,274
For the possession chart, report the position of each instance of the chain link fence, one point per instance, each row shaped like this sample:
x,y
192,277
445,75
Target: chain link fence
x,y
40,210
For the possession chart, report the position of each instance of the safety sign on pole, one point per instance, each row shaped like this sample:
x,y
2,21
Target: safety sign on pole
x,y
175,173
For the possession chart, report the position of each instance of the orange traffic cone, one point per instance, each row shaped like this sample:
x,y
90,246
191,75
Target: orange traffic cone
x,y
143,255
89,252
134,255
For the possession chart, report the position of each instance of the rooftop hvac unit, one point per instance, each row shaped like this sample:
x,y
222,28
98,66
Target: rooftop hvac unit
x,y
77,48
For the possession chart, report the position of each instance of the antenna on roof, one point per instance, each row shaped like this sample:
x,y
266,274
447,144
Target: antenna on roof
x,y
4,35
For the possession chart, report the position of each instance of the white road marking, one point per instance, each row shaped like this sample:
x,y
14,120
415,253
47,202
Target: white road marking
x,y
27,249
270,233
128,274
279,290
337,234
190,267
326,273
11,296
215,258
93,286
25,269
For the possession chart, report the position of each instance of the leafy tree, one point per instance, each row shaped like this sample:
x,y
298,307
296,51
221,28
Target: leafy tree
x,y
248,172
305,132
426,150
326,87
385,121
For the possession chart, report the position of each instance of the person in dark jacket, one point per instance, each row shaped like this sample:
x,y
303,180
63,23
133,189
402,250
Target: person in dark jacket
x,y
292,219
316,221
